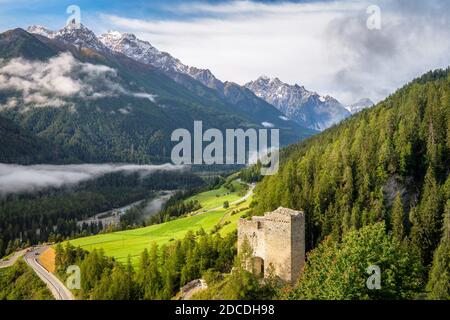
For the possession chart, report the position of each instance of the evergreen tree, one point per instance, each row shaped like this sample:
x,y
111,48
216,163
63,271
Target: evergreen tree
x,y
398,218
439,280
120,285
242,284
425,232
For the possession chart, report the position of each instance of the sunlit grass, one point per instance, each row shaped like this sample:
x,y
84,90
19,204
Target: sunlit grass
x,y
132,242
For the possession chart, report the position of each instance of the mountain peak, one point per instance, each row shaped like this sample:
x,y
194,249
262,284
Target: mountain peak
x,y
142,51
268,80
113,35
72,33
360,105
307,108
41,30
79,35
129,45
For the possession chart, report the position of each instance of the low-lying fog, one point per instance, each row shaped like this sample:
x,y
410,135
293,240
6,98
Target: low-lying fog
x,y
17,178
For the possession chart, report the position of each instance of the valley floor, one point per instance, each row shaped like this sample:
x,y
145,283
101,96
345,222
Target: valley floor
x,y
131,243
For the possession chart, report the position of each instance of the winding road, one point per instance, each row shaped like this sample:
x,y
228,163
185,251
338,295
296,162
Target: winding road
x,y
31,258
57,288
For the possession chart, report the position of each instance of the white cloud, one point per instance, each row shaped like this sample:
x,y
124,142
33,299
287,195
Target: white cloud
x,y
267,124
16,178
151,97
124,110
51,83
325,46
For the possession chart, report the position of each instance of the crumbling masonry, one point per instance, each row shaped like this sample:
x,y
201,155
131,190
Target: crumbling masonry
x,y
278,240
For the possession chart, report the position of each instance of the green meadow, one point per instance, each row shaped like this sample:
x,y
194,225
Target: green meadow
x,y
215,198
122,244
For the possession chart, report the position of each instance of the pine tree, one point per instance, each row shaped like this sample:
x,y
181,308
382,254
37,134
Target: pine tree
x,y
355,218
121,285
398,218
439,280
154,275
141,276
425,231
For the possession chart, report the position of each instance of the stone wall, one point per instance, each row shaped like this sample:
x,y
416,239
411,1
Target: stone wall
x,y
278,239
253,230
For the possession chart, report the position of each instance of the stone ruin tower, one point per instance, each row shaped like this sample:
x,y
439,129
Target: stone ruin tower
x,y
277,239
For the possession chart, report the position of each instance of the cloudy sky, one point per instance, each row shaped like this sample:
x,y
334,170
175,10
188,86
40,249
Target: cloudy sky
x,y
324,45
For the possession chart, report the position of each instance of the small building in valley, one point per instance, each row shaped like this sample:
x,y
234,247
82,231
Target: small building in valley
x,y
278,242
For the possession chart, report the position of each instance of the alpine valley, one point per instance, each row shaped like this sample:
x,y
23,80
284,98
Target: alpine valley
x,y
85,140
112,98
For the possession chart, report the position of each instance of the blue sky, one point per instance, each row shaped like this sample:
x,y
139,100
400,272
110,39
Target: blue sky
x,y
52,13
324,45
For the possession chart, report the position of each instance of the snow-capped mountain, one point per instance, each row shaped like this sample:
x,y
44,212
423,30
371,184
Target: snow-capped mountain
x,y
75,34
298,104
360,105
240,97
142,51
225,96
40,30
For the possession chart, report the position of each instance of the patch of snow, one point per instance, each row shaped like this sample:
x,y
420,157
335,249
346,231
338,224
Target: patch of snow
x,y
267,124
307,108
40,30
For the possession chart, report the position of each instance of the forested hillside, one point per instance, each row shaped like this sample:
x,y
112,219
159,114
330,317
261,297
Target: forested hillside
x,y
389,164
53,213
20,146
19,282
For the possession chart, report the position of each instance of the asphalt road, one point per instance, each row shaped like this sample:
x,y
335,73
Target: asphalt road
x,y
9,262
192,288
58,289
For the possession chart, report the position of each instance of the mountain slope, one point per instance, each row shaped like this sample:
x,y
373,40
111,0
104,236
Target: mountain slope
x,y
307,108
19,146
100,105
17,42
243,100
390,163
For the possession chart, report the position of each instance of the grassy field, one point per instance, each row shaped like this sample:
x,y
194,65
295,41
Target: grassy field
x,y
133,242
215,198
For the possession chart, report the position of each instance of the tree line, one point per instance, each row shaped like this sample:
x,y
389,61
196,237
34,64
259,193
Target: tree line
x,y
161,270
389,164
52,214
